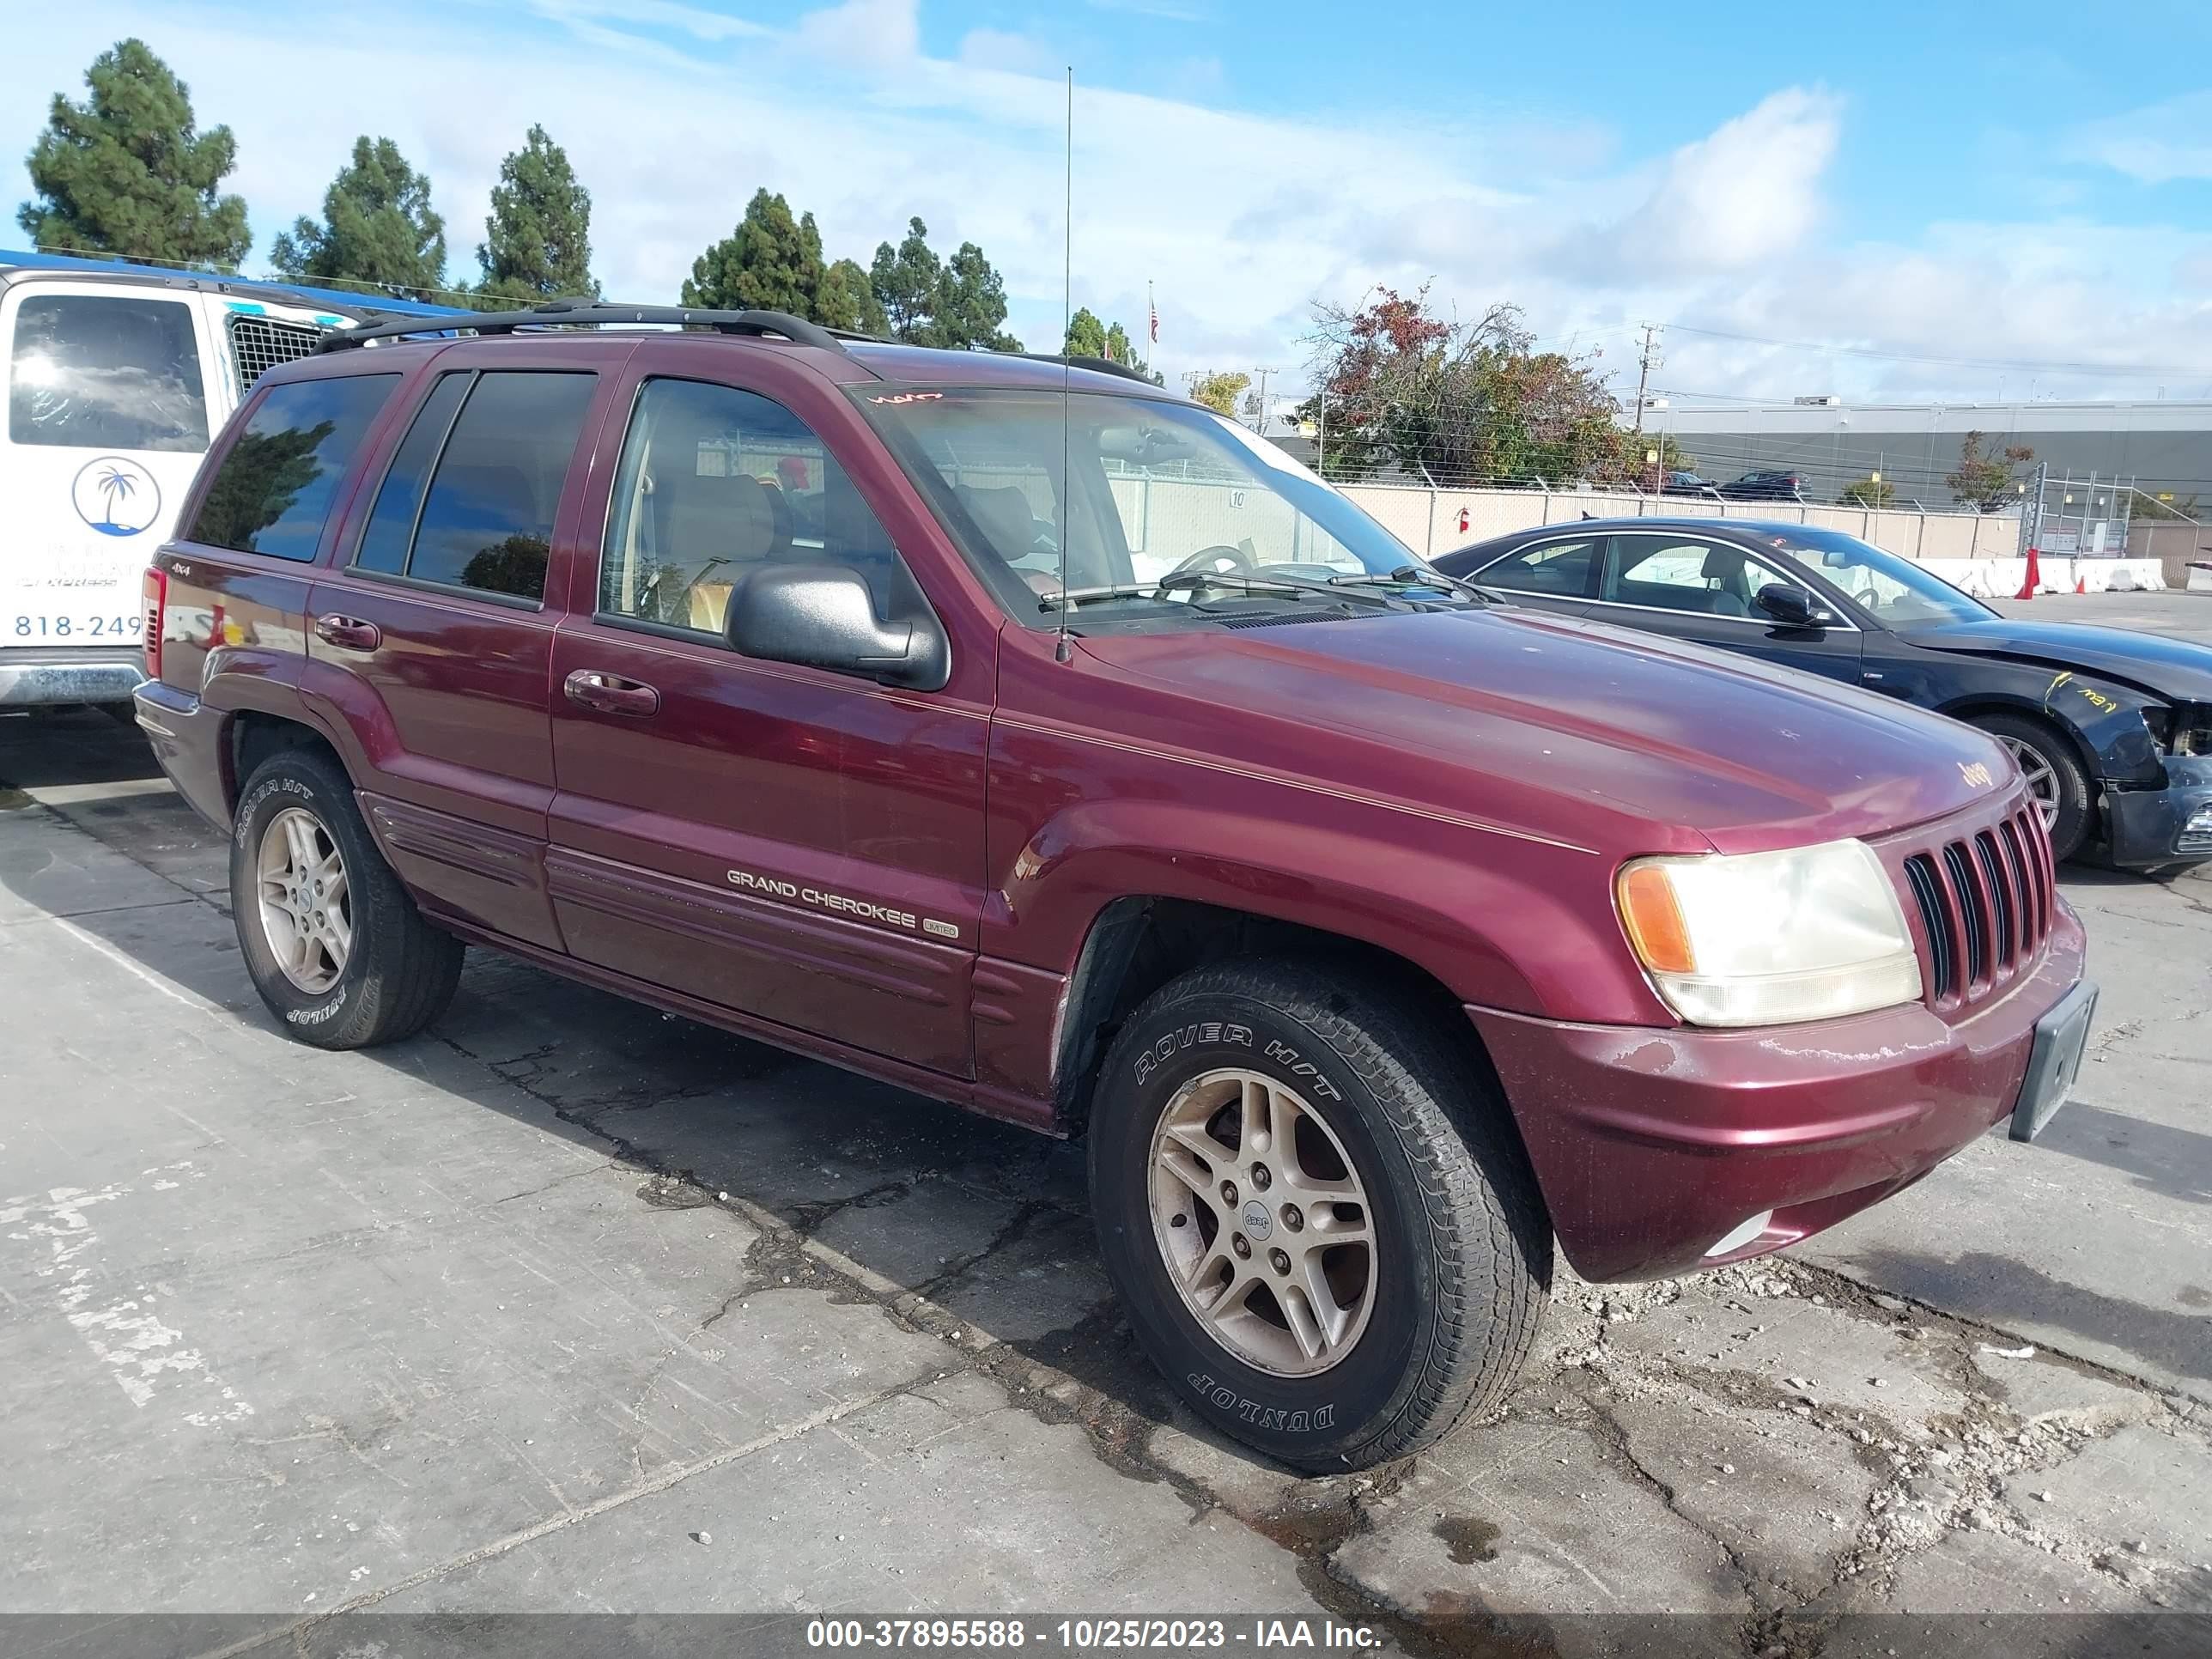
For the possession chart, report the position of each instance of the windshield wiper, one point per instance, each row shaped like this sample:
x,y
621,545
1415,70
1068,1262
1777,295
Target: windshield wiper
x,y
1406,575
1194,580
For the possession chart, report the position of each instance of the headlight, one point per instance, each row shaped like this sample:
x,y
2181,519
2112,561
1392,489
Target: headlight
x,y
1763,938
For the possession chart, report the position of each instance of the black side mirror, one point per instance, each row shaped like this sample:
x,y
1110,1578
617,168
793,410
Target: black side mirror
x,y
823,616
1793,607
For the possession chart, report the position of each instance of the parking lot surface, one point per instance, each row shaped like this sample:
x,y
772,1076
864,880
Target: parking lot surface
x,y
567,1306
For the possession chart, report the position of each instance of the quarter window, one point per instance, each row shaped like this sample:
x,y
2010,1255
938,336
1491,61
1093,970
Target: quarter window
x,y
715,482
273,488
1713,579
106,372
1556,570
497,448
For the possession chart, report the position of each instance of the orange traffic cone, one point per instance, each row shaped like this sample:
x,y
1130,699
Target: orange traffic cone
x,y
2034,577
2080,584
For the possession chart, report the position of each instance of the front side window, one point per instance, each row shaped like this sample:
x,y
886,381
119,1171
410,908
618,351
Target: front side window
x,y
106,372
1669,573
1149,488
496,448
715,482
1896,591
1560,570
273,488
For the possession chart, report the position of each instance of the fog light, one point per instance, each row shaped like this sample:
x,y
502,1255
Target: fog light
x,y
1736,1237
2196,834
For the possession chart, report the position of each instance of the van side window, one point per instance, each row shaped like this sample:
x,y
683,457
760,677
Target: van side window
x,y
273,488
486,521
106,372
715,482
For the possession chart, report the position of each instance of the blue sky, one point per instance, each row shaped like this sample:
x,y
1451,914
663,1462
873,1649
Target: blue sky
x,y
1881,200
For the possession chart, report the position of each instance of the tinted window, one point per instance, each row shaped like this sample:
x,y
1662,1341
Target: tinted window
x,y
488,520
392,520
1712,579
101,372
273,489
715,482
1560,569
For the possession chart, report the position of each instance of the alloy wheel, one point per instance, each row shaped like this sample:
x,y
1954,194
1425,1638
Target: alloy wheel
x,y
306,912
2042,779
1263,1222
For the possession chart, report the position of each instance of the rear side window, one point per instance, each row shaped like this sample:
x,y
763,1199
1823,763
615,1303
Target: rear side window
x,y
273,488
496,448
106,372
1558,569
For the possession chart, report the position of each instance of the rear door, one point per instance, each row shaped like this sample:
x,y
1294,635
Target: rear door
x,y
1705,588
799,845
110,400
431,641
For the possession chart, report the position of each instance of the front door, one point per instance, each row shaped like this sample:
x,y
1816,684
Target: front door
x,y
796,845
1704,588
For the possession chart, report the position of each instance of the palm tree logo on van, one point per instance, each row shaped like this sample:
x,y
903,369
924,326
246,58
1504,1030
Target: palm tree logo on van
x,y
115,496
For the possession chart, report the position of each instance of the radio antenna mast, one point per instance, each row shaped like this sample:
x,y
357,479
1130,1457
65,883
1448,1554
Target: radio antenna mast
x,y
1063,649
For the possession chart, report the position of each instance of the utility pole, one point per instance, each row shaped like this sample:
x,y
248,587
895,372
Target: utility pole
x,y
2031,509
1644,365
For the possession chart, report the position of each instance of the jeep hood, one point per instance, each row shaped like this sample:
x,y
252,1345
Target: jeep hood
x,y
1591,734
2169,668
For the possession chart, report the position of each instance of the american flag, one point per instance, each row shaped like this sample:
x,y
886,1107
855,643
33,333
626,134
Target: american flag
x,y
1155,312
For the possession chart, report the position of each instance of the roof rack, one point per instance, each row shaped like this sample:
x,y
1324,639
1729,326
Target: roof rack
x,y
1096,364
572,313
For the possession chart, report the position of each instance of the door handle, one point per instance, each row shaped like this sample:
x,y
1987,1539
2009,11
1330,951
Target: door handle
x,y
610,694
348,633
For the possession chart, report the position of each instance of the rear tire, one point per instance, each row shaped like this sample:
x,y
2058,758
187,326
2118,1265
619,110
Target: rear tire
x,y
1340,1356
334,944
2056,776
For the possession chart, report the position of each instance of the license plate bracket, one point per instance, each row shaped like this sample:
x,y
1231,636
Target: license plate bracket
x,y
2055,1060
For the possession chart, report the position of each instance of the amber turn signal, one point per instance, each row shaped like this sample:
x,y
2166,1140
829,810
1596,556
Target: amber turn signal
x,y
1654,920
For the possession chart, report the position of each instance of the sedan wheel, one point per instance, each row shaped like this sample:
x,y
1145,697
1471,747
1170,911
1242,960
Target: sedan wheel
x,y
307,913
2042,781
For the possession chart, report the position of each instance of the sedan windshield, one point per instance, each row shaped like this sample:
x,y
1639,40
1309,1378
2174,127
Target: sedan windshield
x,y
1895,591
1148,506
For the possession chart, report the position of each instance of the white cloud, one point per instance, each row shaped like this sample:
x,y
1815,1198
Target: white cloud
x,y
674,114
1748,192
2153,145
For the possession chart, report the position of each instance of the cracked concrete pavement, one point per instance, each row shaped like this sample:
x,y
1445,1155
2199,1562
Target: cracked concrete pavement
x,y
569,1306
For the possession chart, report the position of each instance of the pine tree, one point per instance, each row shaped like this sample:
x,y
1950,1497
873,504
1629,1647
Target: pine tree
x,y
1086,335
770,261
125,172
846,300
379,231
908,281
537,239
973,304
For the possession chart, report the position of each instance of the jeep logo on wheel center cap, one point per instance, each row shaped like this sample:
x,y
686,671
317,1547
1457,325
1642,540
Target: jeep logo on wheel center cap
x,y
1256,1219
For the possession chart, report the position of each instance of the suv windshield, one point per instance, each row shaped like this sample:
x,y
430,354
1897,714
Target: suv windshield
x,y
1151,490
1895,591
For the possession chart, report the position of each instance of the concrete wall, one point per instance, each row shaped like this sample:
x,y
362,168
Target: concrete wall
x,y
1977,551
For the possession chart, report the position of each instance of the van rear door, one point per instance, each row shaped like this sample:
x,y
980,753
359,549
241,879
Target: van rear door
x,y
110,405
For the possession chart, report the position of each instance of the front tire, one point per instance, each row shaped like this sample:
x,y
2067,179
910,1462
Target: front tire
x,y
2056,778
333,942
1326,1233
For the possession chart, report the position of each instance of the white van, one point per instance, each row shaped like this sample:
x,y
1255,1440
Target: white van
x,y
117,374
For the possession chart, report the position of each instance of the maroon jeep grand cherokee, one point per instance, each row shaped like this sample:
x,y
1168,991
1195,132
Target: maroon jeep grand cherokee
x,y
1038,740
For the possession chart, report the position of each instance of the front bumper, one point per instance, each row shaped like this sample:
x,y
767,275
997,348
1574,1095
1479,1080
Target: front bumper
x,y
38,679
1653,1144
2147,828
